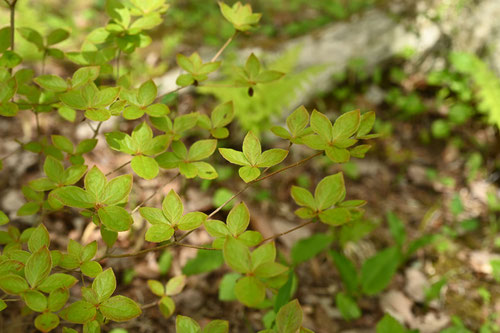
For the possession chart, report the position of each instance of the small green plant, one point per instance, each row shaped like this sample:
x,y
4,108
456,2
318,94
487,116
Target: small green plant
x,y
36,274
376,272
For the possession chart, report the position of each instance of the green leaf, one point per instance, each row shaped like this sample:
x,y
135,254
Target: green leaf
x,y
226,287
335,216
238,219
145,167
252,66
10,59
346,125
377,271
264,254
159,233
237,255
186,325
297,121
222,115
73,174
38,266
32,36
62,143
147,93
86,146
322,126
56,36
281,132
175,285
201,149
249,173
366,124
79,312
234,156
166,306
251,148
38,239
347,271
73,196
115,218
216,228
172,207
117,190
46,322
120,308
347,307
104,285
67,113
156,287
52,83
84,75
240,16
13,284
308,248
56,281
3,305
157,110
191,221
329,191
184,80
53,169
204,262
389,324
35,300
28,208
337,155
57,299
95,181
91,268
269,269
217,326
268,76
153,215
4,219
250,291
289,317
147,22
397,228
303,197
4,39
271,157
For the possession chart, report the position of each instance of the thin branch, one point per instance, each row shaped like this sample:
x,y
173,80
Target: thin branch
x,y
150,305
96,131
286,232
119,168
217,55
12,8
224,46
11,153
178,241
118,64
154,193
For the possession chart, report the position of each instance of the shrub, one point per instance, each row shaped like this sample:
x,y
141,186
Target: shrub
x,y
43,278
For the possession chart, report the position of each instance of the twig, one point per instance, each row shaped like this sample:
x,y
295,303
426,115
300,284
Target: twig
x,y
224,46
150,305
178,242
286,232
217,55
154,193
119,168
96,131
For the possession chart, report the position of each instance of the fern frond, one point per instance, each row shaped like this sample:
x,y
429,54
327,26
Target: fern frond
x,y
269,100
485,80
